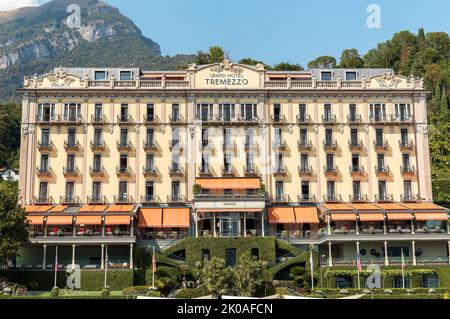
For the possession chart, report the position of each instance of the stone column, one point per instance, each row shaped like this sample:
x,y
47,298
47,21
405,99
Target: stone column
x,y
131,256
73,257
330,258
357,226
328,217
414,260
384,226
386,258
44,258
102,260
214,225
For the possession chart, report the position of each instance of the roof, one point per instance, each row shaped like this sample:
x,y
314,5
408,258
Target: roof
x,y
89,72
368,73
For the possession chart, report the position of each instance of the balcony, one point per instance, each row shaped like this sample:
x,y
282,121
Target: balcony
x,y
176,199
123,146
382,170
228,146
124,119
280,171
248,120
176,171
69,200
150,146
72,119
72,146
279,119
279,145
304,145
150,119
150,171
384,198
44,172
123,199
306,119
45,146
228,171
280,199
358,198
379,119
71,172
250,146
354,119
250,171
306,198
409,198
355,145
46,120
357,171
380,145
402,119
305,171
99,119
175,144
97,171
406,146
407,170
332,198
329,120
330,171
98,146
96,200
210,119
123,171
176,120
150,200
205,171
43,200
329,145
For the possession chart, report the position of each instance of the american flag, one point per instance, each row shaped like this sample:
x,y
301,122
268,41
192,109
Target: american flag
x,y
358,263
154,262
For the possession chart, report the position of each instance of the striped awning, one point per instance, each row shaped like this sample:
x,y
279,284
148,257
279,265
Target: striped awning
x,y
399,216
117,220
343,217
371,217
431,216
89,220
35,220
281,215
150,217
306,215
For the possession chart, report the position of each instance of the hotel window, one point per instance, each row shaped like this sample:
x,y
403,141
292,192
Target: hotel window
x,y
227,162
100,75
205,138
175,190
279,190
98,136
205,163
344,282
44,163
377,112
72,112
248,112
402,112
407,186
352,112
98,112
398,282
123,136
380,162
379,136
70,191
226,112
97,162
230,254
123,164
46,112
255,253
304,162
302,112
45,137
70,162
205,112
175,164
71,137
328,136
303,136
404,136
150,162
305,190
325,75
382,192
175,112
278,134
125,76
330,162
350,76
124,112
149,190
354,136
96,191
405,161
249,162
43,191
227,137
430,281
123,190
150,114
150,136
278,162
356,190
331,190
328,116
277,112
206,256
355,162
249,137
175,137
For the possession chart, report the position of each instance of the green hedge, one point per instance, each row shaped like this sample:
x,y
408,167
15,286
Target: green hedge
x,y
116,279
441,191
193,247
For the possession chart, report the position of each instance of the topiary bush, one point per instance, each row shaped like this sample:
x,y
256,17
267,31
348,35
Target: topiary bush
x,y
105,292
54,293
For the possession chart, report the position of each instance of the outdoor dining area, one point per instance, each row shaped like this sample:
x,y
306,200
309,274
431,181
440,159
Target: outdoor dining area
x,y
164,234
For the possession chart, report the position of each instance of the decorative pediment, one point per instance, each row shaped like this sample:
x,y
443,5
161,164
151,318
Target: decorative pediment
x,y
60,80
391,81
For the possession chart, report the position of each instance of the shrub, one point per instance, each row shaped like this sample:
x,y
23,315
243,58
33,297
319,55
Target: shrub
x,y
54,292
135,291
152,293
105,292
191,293
446,295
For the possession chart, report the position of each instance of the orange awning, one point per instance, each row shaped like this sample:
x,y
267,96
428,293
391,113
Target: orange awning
x,y
364,207
399,216
229,183
371,217
59,220
343,217
391,207
89,220
58,209
42,208
35,220
306,215
229,210
117,220
337,207
121,208
29,208
281,215
425,207
431,216
150,217
92,208
176,217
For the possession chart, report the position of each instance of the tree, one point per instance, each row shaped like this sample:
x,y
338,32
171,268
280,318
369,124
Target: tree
x,y
421,40
13,225
350,58
248,275
216,54
250,61
217,277
323,62
10,118
286,66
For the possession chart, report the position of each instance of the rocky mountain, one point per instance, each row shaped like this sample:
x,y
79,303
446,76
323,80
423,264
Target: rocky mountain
x,y
37,39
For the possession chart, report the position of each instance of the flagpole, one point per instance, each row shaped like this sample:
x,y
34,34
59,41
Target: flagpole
x,y
312,268
359,282
106,263
153,268
403,269
56,266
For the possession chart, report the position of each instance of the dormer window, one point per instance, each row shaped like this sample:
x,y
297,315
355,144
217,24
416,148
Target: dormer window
x,y
100,75
325,75
350,76
125,75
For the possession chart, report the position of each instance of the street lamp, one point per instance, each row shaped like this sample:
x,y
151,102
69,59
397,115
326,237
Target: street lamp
x,y
322,257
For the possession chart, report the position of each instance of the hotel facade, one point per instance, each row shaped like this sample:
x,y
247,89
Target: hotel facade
x,y
118,158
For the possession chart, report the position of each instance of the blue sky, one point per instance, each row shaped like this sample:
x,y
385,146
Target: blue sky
x,y
278,30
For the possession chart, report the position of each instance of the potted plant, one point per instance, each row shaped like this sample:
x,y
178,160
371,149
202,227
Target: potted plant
x,y
196,189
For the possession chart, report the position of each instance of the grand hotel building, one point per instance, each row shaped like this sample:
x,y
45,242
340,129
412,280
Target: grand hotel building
x,y
121,158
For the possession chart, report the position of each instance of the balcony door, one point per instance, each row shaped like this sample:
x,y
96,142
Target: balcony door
x,y
70,162
149,190
331,190
330,162
407,189
124,112
70,191
44,163
96,191
404,136
71,136
305,190
45,138
356,189
150,112
123,136
226,112
352,113
43,190
327,112
382,190
279,190
97,162
302,112
98,112
46,112
123,190
150,162
175,190
304,162
175,112
72,111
